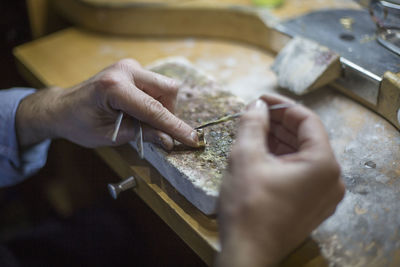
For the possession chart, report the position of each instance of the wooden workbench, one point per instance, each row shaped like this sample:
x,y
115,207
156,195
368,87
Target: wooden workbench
x,y
73,55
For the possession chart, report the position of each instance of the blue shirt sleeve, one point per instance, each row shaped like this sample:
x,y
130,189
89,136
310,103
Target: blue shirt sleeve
x,y
16,164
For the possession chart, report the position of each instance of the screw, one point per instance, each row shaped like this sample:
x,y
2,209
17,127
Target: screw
x,y
116,189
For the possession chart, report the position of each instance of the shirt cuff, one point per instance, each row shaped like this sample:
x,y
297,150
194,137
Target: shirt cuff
x,y
16,164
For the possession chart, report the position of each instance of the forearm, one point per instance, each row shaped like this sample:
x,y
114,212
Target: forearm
x,y
35,119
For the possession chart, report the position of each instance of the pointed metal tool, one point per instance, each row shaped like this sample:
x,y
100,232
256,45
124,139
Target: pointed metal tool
x,y
139,139
139,134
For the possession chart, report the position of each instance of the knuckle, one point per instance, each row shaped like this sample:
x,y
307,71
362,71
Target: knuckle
x,y
127,63
108,80
171,86
127,66
154,108
179,126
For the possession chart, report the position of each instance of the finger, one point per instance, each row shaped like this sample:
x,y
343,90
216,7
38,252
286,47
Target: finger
x,y
288,117
157,137
279,148
126,131
252,135
160,87
284,135
274,99
302,122
139,105
312,136
127,134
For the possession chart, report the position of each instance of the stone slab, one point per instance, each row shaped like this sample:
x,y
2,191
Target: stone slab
x,y
196,173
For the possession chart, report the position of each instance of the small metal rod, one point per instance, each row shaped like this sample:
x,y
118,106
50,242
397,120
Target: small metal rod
x,y
117,126
140,141
219,120
281,106
237,115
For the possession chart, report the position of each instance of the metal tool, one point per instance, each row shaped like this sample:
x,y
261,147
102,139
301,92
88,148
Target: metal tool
x,y
237,115
116,189
359,59
386,15
368,68
139,135
117,126
139,140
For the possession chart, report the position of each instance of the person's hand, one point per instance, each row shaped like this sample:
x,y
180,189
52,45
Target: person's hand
x,y
284,181
85,114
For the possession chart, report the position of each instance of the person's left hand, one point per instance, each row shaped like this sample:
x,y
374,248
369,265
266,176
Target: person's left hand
x,y
85,114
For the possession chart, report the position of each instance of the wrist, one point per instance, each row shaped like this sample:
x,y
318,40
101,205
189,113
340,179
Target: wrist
x,y
35,117
238,250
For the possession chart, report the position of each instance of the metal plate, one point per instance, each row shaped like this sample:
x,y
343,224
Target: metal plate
x,y
357,45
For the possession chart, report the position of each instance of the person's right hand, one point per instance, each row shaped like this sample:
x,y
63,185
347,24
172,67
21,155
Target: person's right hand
x,y
284,181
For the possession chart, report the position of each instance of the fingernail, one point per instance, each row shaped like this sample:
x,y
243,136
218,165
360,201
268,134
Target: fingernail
x,y
195,138
175,83
258,104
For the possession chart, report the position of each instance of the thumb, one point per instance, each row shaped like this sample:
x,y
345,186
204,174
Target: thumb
x,y
253,131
